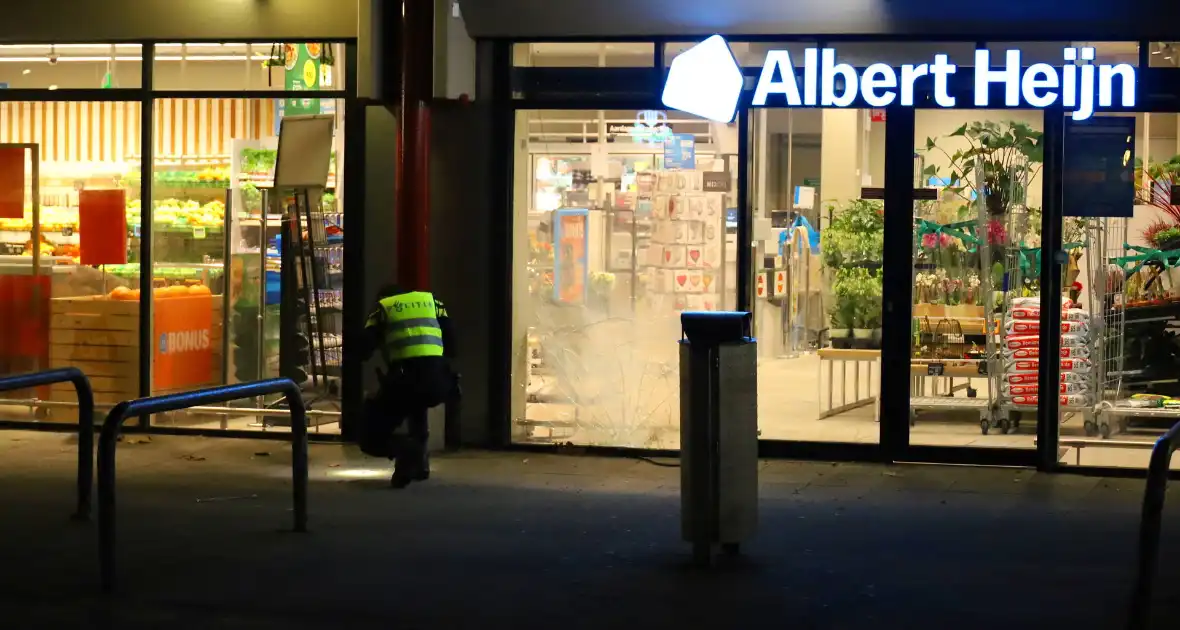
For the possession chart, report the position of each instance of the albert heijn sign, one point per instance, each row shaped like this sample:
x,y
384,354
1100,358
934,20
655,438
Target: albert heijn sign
x,y
707,81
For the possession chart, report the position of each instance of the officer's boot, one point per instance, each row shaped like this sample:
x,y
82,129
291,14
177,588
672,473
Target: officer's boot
x,y
405,464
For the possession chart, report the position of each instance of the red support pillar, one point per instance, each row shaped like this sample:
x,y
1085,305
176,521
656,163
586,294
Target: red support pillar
x,y
413,154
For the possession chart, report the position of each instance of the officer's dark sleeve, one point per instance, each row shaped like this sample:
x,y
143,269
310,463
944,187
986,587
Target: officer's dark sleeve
x,y
374,327
448,331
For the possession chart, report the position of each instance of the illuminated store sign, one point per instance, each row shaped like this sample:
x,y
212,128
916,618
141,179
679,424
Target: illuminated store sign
x,y
704,83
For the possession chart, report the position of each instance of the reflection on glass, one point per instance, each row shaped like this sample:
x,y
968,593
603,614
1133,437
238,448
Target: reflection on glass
x,y
617,237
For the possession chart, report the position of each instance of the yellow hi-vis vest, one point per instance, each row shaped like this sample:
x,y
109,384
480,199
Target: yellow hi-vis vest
x,y
411,326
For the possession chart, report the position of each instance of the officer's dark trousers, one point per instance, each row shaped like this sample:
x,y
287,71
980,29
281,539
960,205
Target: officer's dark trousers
x,y
384,415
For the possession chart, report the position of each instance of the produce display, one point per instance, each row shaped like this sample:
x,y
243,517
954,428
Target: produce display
x,y
218,177
179,290
174,212
53,219
258,161
177,213
177,272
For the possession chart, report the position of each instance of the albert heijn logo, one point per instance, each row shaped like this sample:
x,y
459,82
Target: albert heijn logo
x,y
184,341
706,80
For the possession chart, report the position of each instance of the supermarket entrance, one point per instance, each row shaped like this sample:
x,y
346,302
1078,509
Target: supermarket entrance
x,y
880,273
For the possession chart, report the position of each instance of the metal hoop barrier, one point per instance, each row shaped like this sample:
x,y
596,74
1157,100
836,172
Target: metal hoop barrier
x,y
1150,525
109,437
85,423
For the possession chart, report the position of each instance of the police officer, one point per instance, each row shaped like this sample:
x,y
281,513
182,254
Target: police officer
x,y
413,333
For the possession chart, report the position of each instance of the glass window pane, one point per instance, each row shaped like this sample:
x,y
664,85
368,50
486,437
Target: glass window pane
x,y
748,54
1165,54
583,55
1123,353
817,265
71,66
55,311
303,66
613,242
974,245
1054,52
212,167
862,54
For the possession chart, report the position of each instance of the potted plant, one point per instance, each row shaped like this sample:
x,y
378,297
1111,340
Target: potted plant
x,y
841,316
862,290
1154,188
1168,239
924,283
842,313
995,166
972,296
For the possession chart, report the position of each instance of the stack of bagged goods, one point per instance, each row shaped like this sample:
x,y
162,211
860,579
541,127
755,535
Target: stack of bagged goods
x,y
1022,355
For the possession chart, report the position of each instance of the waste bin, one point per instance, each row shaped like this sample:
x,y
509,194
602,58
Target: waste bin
x,y
718,432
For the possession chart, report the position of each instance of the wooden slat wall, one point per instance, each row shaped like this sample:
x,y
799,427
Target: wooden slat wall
x,y
98,131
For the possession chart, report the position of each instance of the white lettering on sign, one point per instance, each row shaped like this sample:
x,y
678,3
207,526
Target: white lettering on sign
x,y
878,85
1079,85
184,341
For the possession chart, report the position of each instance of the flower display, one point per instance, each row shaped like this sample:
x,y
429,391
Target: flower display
x,y
997,234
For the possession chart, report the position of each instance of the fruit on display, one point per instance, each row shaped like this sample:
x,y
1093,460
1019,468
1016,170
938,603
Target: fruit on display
x,y
177,213
124,294
180,290
53,219
213,176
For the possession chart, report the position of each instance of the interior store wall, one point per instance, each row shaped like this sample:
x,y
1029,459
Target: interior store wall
x,y
840,159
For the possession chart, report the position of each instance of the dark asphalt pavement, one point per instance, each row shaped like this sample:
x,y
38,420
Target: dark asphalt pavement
x,y
512,540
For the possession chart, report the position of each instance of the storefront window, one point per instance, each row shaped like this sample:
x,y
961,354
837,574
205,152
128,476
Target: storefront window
x,y
976,246
300,66
615,235
59,263
818,242
1052,52
748,54
71,66
1165,54
1119,362
583,55
216,250
864,54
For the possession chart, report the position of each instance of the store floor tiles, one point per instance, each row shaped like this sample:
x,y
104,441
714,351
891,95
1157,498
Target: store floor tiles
x,y
789,408
516,540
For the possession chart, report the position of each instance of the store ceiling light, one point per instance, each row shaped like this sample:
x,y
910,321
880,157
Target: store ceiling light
x,y
53,87
26,71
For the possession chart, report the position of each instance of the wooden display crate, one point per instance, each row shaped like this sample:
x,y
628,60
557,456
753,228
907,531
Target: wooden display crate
x,y
100,336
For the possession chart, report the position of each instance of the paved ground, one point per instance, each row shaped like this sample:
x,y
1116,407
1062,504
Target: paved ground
x,y
508,540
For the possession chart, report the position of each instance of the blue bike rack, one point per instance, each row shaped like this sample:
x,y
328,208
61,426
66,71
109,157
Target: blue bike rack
x,y
109,437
